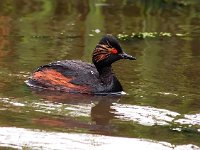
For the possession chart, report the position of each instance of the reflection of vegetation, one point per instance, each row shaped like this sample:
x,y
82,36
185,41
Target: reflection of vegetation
x,y
180,2
145,35
5,46
96,14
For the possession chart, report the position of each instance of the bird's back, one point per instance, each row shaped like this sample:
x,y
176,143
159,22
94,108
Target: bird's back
x,y
69,76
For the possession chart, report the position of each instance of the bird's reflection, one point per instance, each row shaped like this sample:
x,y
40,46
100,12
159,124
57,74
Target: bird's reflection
x,y
101,113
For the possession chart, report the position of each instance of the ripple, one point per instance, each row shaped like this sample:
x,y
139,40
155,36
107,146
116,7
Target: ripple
x,y
145,115
191,121
34,139
14,103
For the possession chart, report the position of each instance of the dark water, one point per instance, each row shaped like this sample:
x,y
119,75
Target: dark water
x,y
162,107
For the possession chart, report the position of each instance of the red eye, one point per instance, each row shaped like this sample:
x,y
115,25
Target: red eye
x,y
114,51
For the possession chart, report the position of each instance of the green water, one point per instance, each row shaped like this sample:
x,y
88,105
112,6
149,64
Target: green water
x,y
162,103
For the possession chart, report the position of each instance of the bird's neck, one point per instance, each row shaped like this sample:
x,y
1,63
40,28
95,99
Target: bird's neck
x,y
106,74
109,80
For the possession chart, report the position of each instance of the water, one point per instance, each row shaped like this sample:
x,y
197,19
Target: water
x,y
161,107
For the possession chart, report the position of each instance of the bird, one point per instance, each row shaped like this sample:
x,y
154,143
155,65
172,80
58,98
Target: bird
x,y
76,76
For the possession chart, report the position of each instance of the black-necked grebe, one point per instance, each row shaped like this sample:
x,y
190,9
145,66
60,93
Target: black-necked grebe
x,y
81,77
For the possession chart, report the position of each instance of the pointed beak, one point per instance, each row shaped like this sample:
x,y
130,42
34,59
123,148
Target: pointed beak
x,y
126,56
